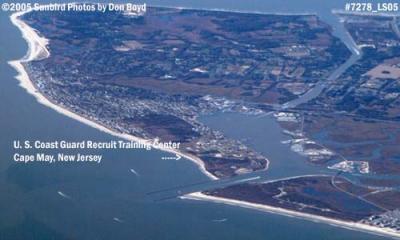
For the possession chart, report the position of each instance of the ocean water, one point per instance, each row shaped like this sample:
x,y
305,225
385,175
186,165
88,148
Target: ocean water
x,y
108,201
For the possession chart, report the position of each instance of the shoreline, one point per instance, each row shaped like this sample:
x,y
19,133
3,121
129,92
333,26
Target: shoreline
x,y
304,13
355,226
36,48
366,13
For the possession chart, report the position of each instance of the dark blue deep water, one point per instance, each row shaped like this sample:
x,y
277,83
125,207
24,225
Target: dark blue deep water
x,y
107,201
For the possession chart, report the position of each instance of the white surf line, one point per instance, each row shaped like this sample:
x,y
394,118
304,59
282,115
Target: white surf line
x,y
37,46
38,50
301,13
291,213
357,13
64,195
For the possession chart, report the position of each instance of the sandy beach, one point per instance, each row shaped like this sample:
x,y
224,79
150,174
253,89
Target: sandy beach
x,y
290,213
38,50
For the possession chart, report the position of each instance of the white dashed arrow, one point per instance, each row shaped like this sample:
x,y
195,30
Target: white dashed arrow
x,y
177,157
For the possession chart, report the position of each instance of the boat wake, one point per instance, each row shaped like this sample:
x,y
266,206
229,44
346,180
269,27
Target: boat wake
x,y
64,195
134,172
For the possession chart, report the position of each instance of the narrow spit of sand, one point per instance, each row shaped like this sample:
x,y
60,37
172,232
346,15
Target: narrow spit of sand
x,y
290,213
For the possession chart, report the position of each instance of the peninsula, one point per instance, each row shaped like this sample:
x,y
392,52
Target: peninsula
x,y
149,77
